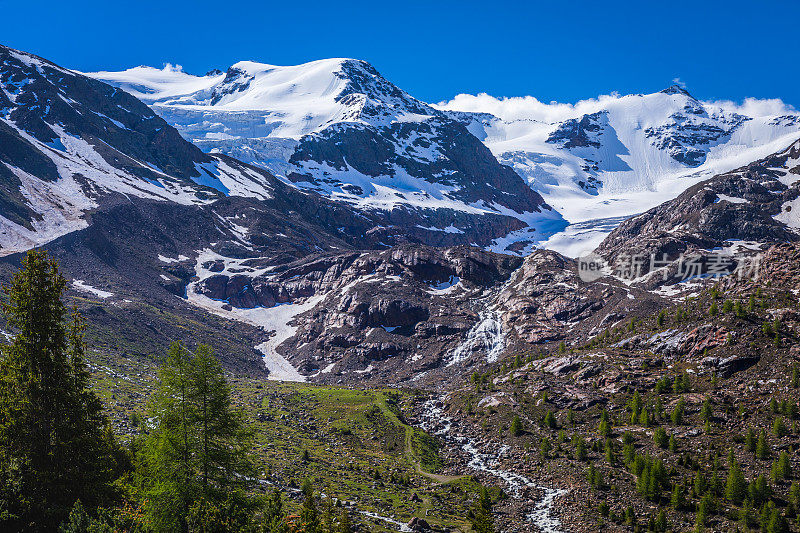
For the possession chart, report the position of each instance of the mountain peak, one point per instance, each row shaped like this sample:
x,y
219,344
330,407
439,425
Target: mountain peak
x,y
676,89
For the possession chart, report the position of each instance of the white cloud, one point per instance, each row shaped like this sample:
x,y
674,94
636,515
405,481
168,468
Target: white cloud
x,y
525,107
169,67
756,107
530,108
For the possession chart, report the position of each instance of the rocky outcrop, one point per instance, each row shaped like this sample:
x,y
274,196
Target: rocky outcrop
x,y
380,316
545,300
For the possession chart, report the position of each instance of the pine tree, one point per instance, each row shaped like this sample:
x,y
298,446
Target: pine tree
x,y
750,441
604,428
630,517
55,444
677,413
777,523
481,513
644,418
794,496
545,447
580,450
660,438
746,515
762,448
167,465
704,510
707,412
309,517
516,426
677,500
198,448
635,406
736,486
611,457
783,467
673,444
759,490
779,428
77,521
661,521
699,485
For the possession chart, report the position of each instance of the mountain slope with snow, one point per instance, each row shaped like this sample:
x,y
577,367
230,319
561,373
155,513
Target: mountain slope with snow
x,y
339,128
620,155
70,144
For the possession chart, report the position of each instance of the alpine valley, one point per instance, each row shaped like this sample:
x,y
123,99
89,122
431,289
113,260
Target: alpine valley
x,y
392,287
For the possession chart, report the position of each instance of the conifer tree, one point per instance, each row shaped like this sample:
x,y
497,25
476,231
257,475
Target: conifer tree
x,y
197,449
309,517
677,500
55,444
777,523
661,521
550,420
516,426
750,441
604,428
481,513
706,412
736,485
762,447
677,413
635,406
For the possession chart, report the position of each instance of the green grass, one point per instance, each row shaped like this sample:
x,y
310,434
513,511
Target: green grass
x,y
360,448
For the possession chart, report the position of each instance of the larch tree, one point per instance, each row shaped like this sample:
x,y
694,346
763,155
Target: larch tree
x,y
195,459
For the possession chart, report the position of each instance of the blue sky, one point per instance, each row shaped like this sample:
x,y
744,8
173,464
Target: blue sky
x,y
564,51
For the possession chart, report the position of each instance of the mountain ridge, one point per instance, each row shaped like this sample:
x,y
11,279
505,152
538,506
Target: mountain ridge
x,y
603,159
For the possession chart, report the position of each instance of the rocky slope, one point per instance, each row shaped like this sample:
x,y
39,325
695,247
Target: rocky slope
x,y
71,143
376,317
726,361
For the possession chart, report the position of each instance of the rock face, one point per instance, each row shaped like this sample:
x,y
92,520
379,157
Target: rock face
x,y
386,316
545,300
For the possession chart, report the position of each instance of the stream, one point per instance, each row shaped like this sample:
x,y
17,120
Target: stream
x,y
435,422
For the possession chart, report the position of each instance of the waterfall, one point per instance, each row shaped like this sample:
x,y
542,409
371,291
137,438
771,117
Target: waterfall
x,y
486,335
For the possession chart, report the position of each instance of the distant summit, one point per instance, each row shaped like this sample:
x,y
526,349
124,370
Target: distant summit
x,y
676,89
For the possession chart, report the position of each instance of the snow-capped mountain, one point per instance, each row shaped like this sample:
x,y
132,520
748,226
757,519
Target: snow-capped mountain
x,y
70,144
339,128
619,155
